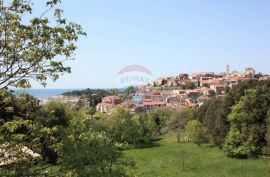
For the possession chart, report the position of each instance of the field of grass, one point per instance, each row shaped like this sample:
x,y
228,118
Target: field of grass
x,y
163,160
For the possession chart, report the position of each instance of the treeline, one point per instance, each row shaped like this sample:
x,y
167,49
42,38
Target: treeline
x,y
238,123
94,96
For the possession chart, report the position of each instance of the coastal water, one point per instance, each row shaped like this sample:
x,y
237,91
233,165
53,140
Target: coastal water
x,y
43,93
48,93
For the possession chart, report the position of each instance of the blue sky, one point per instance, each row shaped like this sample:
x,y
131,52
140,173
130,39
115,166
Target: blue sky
x,y
166,36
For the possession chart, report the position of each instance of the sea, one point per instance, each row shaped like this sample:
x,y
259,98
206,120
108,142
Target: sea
x,y
49,93
43,93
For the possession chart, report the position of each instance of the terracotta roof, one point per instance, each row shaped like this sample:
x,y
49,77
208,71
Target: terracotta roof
x,y
111,97
151,103
104,104
193,91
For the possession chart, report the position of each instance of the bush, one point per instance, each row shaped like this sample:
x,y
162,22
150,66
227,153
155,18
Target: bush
x,y
196,132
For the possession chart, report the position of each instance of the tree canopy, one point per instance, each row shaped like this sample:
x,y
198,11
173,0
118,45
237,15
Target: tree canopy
x,y
34,47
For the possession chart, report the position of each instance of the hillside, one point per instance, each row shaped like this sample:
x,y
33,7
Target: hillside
x,y
163,160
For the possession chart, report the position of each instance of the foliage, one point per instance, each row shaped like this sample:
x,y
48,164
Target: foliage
x,y
18,132
213,114
196,132
188,85
34,47
146,128
125,127
160,117
77,142
6,105
89,153
130,90
54,118
179,121
94,96
246,137
266,149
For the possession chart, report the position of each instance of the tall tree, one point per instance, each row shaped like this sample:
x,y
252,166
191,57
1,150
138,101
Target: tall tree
x,y
246,137
179,121
213,114
34,47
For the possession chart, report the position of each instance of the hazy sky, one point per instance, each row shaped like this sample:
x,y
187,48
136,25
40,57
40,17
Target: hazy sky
x,y
166,36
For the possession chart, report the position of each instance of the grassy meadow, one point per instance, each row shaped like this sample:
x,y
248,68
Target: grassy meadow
x,y
165,159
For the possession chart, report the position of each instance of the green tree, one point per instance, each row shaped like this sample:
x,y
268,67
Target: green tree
x,y
246,137
197,132
213,114
19,150
130,90
94,96
128,128
113,91
93,154
34,47
88,151
179,120
267,135
146,128
53,119
160,117
267,138
7,104
188,85
122,127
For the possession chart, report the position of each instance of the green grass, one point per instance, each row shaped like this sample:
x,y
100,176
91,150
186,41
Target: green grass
x,y
163,160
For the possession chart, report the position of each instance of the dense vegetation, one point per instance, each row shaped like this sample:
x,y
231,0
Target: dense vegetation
x,y
78,143
94,96
238,122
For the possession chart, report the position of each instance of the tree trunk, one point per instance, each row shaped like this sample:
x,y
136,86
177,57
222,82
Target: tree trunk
x,y
178,135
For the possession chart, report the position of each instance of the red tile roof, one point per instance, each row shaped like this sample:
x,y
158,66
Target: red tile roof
x,y
104,104
151,103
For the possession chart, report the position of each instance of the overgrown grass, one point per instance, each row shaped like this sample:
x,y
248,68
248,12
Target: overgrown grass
x,y
204,161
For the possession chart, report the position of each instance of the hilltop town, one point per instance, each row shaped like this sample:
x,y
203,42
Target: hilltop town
x,y
183,90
